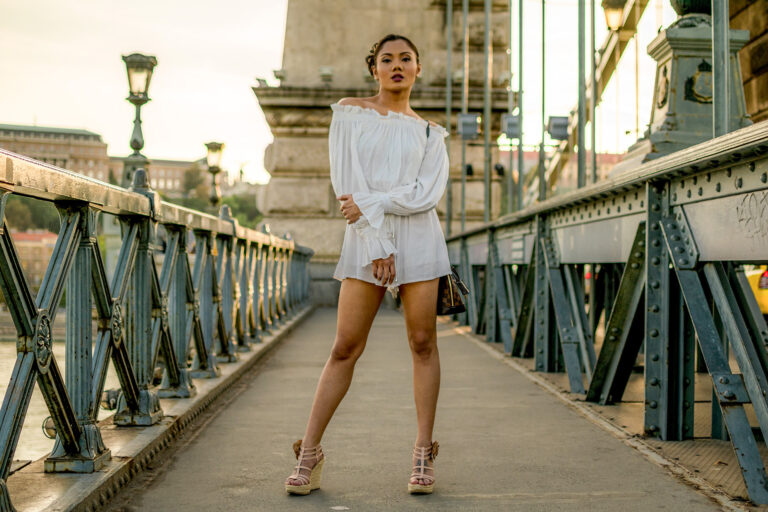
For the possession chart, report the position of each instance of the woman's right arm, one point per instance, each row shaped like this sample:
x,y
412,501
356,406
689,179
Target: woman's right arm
x,y
347,178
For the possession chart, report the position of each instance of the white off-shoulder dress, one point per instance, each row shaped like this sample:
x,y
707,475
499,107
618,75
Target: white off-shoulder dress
x,y
396,175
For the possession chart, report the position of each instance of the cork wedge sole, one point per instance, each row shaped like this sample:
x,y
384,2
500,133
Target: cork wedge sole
x,y
421,489
315,475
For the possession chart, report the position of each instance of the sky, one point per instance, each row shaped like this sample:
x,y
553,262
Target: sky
x,y
62,67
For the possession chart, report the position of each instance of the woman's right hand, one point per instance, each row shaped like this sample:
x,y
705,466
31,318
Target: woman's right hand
x,y
384,270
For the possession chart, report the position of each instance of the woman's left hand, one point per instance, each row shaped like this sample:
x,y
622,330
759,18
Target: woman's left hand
x,y
349,209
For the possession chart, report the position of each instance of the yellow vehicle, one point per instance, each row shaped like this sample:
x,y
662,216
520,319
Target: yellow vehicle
x,y
758,281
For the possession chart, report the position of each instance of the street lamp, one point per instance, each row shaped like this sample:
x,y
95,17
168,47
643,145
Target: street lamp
x,y
614,13
139,69
214,167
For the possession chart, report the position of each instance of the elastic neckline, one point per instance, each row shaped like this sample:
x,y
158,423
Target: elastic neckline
x,y
391,114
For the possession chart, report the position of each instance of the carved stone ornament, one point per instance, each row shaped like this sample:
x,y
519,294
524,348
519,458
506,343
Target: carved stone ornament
x,y
662,88
698,88
116,323
43,352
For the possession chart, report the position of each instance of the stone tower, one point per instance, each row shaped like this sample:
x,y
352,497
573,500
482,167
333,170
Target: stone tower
x,y
323,61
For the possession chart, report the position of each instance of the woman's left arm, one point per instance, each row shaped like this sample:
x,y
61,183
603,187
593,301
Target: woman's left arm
x,y
421,195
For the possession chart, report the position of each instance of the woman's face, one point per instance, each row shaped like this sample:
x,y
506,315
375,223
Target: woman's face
x,y
396,67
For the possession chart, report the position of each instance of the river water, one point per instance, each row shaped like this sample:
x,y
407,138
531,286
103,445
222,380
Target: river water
x,y
32,443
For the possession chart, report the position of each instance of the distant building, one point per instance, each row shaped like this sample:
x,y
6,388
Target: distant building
x,y
85,152
35,249
165,176
76,150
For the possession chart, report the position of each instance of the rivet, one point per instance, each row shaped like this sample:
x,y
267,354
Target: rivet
x,y
675,238
723,380
541,351
655,357
634,265
655,207
638,254
679,250
612,338
654,308
615,330
686,404
655,284
684,261
655,227
654,333
652,404
655,261
656,243
654,382
653,428
687,381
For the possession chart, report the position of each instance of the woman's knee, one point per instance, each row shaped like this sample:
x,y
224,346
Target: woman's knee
x,y
423,343
346,349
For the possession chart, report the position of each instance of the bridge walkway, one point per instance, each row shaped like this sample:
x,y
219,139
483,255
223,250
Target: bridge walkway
x,y
506,443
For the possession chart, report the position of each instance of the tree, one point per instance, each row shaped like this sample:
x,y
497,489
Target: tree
x,y
193,178
17,214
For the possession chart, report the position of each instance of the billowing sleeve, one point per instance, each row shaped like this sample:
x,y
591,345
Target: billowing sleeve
x,y
347,178
420,195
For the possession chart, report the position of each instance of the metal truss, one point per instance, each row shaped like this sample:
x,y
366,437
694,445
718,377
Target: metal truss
x,y
151,314
665,245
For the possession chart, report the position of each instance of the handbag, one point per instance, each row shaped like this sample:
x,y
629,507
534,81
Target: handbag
x,y
450,289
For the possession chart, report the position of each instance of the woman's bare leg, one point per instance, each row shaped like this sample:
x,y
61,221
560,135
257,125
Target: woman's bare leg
x,y
358,303
420,308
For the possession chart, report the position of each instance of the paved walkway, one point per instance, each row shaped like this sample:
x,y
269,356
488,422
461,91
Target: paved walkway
x,y
505,444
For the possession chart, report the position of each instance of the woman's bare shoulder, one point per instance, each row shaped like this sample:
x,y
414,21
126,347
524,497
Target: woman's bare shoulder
x,y
356,102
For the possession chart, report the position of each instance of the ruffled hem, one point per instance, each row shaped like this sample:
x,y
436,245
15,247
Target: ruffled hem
x,y
391,114
376,244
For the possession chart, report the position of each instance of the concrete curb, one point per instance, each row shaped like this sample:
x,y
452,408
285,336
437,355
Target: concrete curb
x,y
646,450
133,448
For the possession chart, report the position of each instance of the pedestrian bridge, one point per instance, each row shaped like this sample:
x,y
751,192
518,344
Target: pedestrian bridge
x,y
644,384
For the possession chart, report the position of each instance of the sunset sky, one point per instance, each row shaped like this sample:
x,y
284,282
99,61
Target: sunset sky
x,y
62,67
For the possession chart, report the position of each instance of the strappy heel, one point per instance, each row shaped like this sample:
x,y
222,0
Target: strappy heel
x,y
422,455
306,483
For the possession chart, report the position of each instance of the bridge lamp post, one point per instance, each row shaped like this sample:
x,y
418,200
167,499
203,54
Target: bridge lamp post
x,y
139,69
614,13
214,167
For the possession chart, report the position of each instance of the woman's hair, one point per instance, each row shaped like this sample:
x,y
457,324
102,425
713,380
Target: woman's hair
x,y
370,59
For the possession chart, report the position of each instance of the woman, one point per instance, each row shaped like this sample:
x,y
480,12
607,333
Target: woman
x,y
389,168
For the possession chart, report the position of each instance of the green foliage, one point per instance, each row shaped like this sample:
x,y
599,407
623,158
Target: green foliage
x,y
193,178
24,213
243,207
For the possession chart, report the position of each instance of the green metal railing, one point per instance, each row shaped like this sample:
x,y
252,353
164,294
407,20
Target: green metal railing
x,y
241,284
666,244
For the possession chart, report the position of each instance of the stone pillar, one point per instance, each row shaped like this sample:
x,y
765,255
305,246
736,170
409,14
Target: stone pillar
x,y
321,66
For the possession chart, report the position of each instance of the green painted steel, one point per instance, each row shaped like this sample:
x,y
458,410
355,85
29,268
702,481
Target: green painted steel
x,y
666,243
148,309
